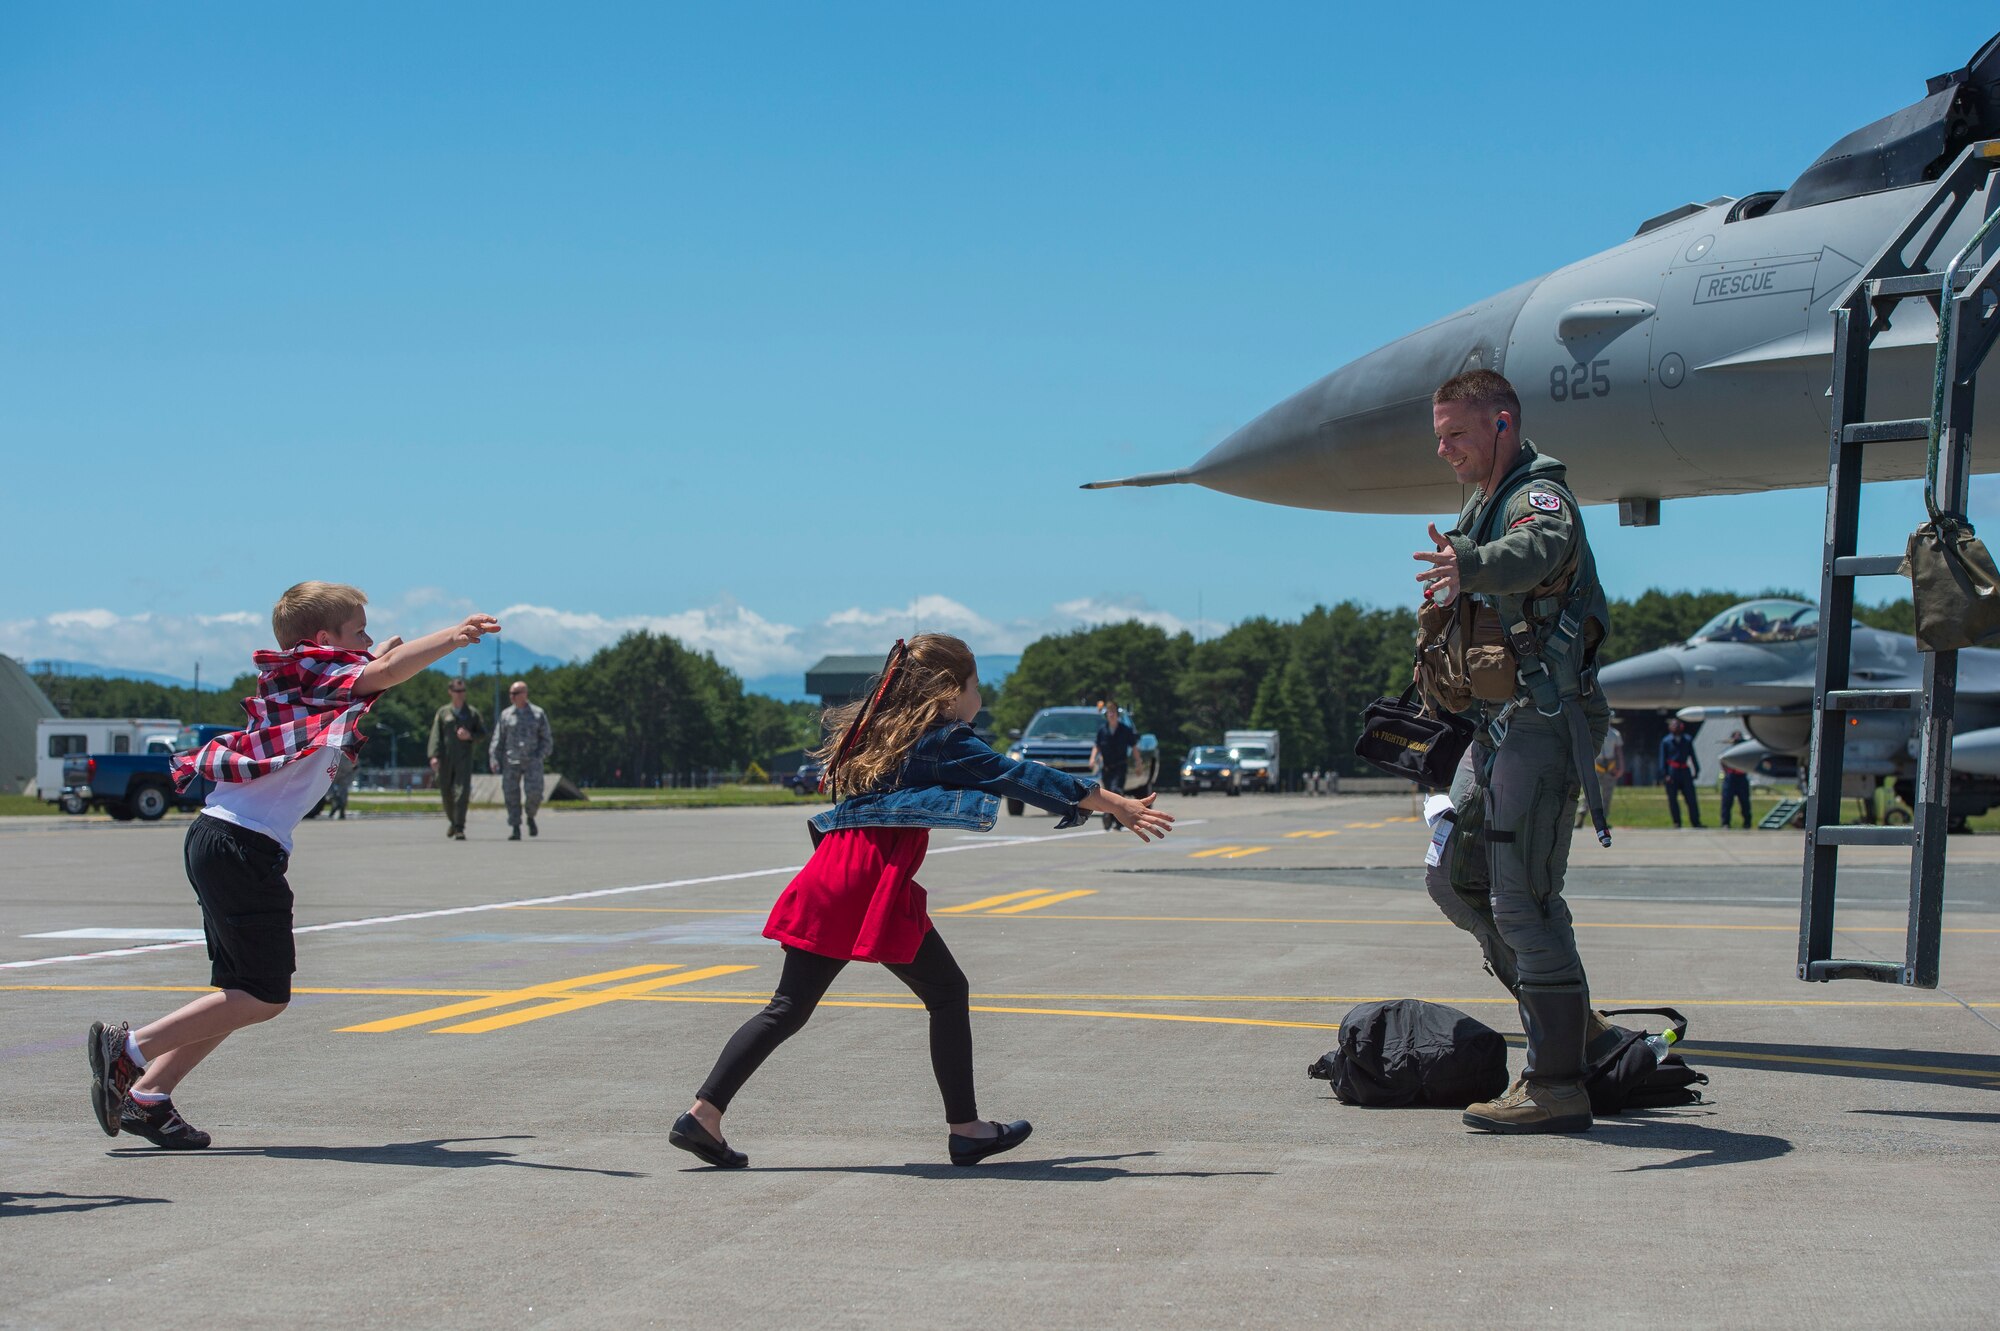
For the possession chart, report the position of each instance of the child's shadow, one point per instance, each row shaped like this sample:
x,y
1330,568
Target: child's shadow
x,y
1066,1169
427,1154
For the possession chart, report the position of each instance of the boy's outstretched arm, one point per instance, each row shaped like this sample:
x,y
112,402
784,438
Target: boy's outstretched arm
x,y
402,660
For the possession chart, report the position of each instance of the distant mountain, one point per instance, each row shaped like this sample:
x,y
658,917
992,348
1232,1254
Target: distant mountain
x,y
91,670
514,659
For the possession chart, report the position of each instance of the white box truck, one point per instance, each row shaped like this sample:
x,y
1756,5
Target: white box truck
x,y
1256,757
59,737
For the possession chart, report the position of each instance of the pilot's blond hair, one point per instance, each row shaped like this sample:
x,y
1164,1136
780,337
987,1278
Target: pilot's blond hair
x,y
1482,388
310,608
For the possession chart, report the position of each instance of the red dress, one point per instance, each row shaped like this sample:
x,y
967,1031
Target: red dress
x,y
857,897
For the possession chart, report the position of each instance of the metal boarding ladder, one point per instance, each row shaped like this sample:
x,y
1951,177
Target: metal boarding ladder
x,y
1969,321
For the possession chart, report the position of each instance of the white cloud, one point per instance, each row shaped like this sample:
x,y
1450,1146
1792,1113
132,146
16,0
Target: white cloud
x,y
164,644
740,638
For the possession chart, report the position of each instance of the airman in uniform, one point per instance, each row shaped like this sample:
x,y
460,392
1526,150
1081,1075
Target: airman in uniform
x,y
1519,549
522,742
453,730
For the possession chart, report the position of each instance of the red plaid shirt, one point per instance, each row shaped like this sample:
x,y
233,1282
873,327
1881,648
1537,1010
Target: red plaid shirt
x,y
304,701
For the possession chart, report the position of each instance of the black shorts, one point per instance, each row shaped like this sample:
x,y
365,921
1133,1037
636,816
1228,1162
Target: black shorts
x,y
246,908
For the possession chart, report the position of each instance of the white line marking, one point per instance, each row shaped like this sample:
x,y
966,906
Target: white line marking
x,y
407,916
129,935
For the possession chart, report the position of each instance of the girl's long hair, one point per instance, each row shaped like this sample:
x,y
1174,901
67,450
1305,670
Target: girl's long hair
x,y
867,740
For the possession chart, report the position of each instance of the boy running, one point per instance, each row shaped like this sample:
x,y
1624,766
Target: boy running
x,y
306,713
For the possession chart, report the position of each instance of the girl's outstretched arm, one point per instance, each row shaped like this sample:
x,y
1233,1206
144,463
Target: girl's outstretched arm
x,y
1138,816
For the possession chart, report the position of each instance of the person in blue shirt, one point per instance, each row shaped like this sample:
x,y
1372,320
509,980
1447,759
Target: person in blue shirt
x,y
1678,770
1112,751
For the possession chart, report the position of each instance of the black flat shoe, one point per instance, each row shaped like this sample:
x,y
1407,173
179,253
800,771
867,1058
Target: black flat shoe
x,y
971,1150
692,1137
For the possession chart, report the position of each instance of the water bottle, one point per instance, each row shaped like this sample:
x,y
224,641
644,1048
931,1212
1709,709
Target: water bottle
x,y
1659,1044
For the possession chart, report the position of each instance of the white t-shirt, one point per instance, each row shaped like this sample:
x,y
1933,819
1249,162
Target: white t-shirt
x,y
274,804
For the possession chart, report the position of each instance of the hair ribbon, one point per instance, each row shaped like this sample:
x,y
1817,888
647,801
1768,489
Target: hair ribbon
x,y
890,667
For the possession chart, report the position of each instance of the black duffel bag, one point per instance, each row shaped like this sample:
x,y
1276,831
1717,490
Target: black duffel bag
x,y
1406,1051
1631,1076
1402,739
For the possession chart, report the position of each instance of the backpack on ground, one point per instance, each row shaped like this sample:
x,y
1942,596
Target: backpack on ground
x,y
1632,1076
1406,1051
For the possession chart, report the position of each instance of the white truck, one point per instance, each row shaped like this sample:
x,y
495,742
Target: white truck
x,y
58,738
1256,754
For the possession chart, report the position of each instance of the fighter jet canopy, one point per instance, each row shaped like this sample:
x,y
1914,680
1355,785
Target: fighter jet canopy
x,y
1911,146
1772,619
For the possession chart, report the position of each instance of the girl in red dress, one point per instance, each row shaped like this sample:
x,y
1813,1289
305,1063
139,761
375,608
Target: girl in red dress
x,y
901,761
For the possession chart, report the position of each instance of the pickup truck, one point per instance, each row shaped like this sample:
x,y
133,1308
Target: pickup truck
x,y
134,785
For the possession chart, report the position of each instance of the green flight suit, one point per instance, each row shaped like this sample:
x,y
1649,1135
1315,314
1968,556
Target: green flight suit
x,y
454,758
1501,876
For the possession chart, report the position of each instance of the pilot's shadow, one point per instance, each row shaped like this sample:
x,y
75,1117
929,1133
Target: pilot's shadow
x,y
426,1154
1705,1146
55,1203
1063,1169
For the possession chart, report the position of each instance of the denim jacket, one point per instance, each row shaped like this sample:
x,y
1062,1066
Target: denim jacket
x,y
952,779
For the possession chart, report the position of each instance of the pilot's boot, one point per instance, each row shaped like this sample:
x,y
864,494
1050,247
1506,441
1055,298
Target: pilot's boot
x,y
1549,1095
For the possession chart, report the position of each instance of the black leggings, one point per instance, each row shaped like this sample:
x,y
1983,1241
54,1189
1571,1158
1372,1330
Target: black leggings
x,y
932,975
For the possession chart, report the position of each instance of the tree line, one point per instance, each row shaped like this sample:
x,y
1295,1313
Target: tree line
x,y
647,708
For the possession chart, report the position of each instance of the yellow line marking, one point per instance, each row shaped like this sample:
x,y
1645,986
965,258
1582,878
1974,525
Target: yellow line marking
x,y
1315,835
1040,902
560,1006
1292,836
985,903
1382,824
1320,836
1212,850
1247,850
429,1015
1406,818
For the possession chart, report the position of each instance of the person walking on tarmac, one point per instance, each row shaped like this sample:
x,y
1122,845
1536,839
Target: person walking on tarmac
x,y
454,728
1519,549
1111,751
522,741
1678,770
1735,786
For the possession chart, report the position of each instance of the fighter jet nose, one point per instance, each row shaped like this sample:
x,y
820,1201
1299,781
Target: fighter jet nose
x,y
1363,433
1651,680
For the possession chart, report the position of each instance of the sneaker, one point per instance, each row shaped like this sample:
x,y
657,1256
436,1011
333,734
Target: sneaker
x,y
1534,1106
162,1125
112,1072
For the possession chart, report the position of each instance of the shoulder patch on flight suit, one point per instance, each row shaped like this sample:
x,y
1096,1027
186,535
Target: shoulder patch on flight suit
x,y
1545,500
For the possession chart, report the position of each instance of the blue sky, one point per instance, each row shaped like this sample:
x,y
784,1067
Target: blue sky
x,y
789,328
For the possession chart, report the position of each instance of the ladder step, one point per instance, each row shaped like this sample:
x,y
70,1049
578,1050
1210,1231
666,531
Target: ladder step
x,y
1888,972
1781,813
1886,432
1910,284
1871,700
1843,834
1868,566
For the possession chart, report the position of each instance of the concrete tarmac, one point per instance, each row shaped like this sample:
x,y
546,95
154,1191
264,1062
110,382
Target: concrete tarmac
x,y
462,1118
